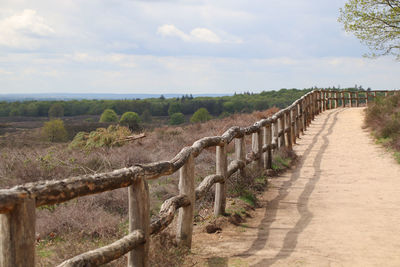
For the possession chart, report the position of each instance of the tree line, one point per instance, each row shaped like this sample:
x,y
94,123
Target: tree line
x,y
242,102
187,105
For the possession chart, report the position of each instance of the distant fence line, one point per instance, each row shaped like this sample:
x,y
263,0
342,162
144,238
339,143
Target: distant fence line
x,y
18,204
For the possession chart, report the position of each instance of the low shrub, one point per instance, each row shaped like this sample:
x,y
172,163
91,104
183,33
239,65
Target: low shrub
x,y
102,137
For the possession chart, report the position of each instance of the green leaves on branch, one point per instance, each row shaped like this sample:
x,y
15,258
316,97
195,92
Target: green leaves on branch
x,y
376,23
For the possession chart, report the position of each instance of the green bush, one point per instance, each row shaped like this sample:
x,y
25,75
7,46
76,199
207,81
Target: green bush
x,y
201,115
109,115
176,119
130,119
54,131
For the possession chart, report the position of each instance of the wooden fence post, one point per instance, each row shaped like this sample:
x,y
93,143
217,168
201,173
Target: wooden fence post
x,y
301,116
366,98
139,218
357,100
275,131
297,118
288,128
256,146
267,138
282,130
185,218
336,100
220,188
240,153
351,99
312,100
304,115
17,235
343,100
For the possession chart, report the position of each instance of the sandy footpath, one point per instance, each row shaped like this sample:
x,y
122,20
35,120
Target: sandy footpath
x,y
340,206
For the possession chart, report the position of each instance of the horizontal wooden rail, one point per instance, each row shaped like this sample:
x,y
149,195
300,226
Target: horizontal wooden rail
x,y
17,205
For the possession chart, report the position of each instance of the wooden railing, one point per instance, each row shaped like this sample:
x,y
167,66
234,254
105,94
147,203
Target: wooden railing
x,y
18,204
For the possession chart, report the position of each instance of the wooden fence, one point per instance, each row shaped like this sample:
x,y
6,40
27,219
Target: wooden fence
x,y
18,204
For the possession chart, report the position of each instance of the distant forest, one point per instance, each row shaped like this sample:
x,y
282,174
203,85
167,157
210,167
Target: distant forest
x,y
186,104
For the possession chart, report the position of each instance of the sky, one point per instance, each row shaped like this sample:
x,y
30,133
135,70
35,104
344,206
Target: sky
x,y
181,46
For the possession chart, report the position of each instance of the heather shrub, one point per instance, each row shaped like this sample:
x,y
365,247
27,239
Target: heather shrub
x,y
383,117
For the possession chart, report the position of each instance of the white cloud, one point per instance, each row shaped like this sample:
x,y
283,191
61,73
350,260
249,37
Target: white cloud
x,y
24,30
196,35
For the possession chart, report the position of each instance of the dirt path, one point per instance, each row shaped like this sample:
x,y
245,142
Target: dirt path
x,y
339,207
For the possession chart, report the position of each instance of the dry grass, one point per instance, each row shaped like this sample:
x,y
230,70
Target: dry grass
x,y
86,223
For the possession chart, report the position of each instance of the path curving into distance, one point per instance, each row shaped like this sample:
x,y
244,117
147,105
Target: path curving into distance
x,y
340,206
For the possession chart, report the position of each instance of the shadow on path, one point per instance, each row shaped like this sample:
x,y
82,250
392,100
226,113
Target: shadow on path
x,y
290,241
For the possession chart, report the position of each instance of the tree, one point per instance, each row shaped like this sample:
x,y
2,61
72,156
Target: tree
x,y
146,116
201,115
376,23
54,131
130,119
56,110
174,108
109,115
177,118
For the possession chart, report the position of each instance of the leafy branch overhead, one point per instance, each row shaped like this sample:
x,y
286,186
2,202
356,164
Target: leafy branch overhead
x,y
376,23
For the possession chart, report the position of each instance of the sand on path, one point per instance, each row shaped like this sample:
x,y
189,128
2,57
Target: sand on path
x,y
340,205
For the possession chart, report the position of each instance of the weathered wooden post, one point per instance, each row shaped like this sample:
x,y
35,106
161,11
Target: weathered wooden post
x,y
185,218
297,118
281,119
256,146
309,115
275,131
267,141
312,100
366,98
343,100
336,100
17,235
293,123
304,115
288,128
139,218
240,153
220,188
357,100
330,100
301,116
351,99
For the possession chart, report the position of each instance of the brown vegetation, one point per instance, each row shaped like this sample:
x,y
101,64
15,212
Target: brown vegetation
x,y
383,117
64,230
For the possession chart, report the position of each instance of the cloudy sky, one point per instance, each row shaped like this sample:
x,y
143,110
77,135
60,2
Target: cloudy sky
x,y
181,46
